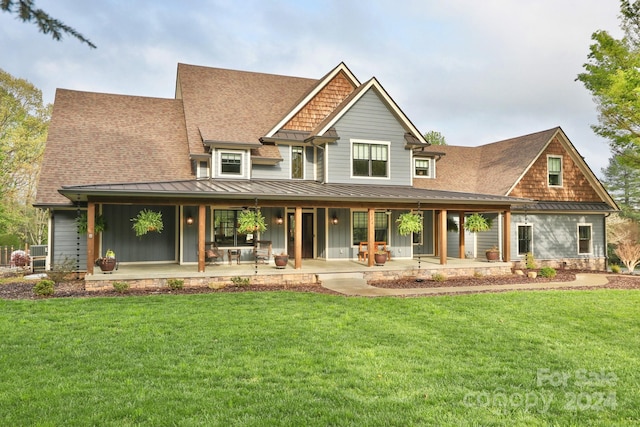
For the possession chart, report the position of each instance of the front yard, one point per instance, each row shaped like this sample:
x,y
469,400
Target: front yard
x,y
284,358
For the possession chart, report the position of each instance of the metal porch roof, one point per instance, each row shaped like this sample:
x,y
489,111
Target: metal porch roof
x,y
283,190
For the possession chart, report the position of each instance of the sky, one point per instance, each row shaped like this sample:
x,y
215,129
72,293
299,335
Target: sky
x,y
475,71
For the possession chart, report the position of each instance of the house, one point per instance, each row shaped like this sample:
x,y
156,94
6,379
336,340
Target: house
x,y
329,162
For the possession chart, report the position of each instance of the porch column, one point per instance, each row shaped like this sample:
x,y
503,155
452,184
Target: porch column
x,y
436,237
298,237
91,225
506,236
202,220
442,231
371,237
461,236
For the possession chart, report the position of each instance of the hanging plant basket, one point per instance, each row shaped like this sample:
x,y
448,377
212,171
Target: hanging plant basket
x,y
251,221
408,223
477,223
146,221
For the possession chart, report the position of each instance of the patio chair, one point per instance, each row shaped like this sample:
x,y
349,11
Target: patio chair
x,y
262,251
212,253
363,252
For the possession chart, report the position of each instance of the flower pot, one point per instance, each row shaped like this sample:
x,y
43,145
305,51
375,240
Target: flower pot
x,y
492,255
281,260
380,259
106,264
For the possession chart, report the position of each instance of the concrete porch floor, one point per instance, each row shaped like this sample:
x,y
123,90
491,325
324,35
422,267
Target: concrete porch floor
x,y
173,270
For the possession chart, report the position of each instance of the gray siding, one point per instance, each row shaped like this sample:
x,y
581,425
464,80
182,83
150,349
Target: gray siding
x,y
556,235
339,246
275,232
278,171
369,119
320,164
128,248
321,243
67,243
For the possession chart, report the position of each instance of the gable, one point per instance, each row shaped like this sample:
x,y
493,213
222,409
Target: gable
x,y
575,184
321,105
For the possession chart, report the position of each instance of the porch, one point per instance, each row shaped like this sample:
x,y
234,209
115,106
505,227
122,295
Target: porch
x,y
218,275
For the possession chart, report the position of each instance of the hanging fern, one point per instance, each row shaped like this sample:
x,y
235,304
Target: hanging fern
x,y
476,223
98,227
146,221
408,223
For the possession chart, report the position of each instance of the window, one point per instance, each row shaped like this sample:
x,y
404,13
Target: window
x,y
226,233
231,163
297,163
423,167
584,239
360,227
370,159
525,237
554,168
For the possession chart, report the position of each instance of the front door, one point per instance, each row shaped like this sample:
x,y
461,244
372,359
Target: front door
x,y
307,235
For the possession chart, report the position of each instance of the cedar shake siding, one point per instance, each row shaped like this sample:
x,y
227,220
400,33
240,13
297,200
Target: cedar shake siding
x,y
323,104
575,186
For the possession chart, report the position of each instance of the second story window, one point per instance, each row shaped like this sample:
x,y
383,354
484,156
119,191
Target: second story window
x,y
554,171
422,168
370,159
231,163
297,163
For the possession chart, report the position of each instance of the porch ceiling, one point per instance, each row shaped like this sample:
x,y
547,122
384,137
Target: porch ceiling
x,y
282,190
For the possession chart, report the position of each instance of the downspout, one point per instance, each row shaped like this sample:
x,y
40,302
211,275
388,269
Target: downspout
x,y
606,244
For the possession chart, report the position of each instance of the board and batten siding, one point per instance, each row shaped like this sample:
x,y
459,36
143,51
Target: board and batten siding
x,y
369,119
153,246
67,243
555,236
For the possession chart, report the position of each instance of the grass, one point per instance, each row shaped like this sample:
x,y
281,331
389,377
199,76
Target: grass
x,y
309,359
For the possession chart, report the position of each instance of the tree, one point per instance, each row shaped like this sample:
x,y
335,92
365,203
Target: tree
x,y
622,180
613,78
435,138
26,11
24,120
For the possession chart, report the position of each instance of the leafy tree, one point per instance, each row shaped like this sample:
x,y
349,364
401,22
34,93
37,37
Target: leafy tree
x,y
24,120
26,11
622,180
435,138
613,78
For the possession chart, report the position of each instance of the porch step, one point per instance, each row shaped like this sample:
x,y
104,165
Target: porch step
x,y
330,276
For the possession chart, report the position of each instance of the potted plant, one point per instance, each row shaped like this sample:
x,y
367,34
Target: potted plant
x,y
146,221
250,221
281,259
380,257
108,262
493,254
81,223
408,223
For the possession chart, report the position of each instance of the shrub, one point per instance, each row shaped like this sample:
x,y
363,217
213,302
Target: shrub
x,y
439,277
175,284
548,272
44,288
240,281
615,268
121,287
61,270
530,260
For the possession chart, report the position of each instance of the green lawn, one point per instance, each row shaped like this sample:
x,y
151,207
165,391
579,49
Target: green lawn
x,y
522,358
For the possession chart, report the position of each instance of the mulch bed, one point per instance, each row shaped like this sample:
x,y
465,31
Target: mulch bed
x,y
17,288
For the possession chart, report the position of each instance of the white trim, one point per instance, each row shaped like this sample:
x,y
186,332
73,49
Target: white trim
x,y
522,224
369,142
584,224
243,164
321,85
556,156
431,162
